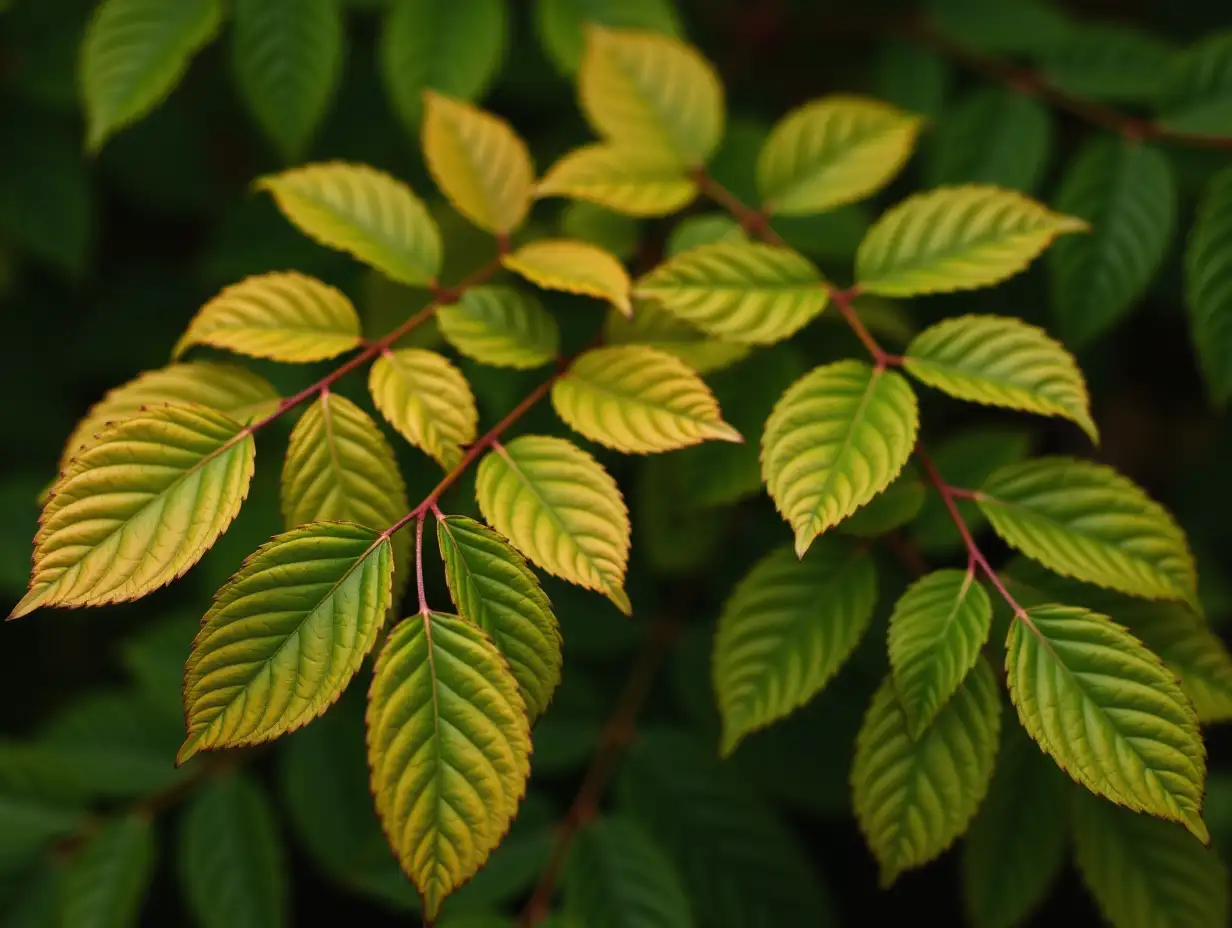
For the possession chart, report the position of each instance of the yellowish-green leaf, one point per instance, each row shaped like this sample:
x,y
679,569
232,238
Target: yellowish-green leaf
x,y
831,152
364,212
651,92
478,161
786,630
836,439
633,181
427,400
284,316
561,24
914,797
638,399
1108,712
286,634
574,267
449,750
956,238
502,326
492,587
741,291
705,229
1002,362
225,388
561,509
659,329
1086,521
139,506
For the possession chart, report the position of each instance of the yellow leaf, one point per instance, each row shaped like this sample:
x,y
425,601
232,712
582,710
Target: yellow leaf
x,y
658,328
426,399
629,180
575,267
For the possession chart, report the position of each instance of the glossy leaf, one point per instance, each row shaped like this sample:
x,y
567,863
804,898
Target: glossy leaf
x,y
659,329
836,438
561,509
285,636
574,267
562,23
106,881
992,136
139,507
1208,286
427,400
956,238
744,292
629,180
1197,88
785,631
502,326
449,749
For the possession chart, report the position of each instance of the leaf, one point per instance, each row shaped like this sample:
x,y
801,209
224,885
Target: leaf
x,y
896,506
750,293
225,388
658,329
561,509
836,438
1001,361
1108,712
706,229
1012,26
1086,521
108,877
364,212
993,136
134,53
561,23
1145,872
480,163
1126,191
596,225
427,400
629,180
491,585
452,48
833,151
1110,61
282,316
29,826
1004,882
502,326
1208,286
638,400
288,58
1197,87
617,876
936,632
574,267
913,798
956,238
785,631
138,507
286,634
449,749
651,92
231,858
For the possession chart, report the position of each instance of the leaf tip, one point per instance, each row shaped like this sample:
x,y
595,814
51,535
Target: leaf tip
x,y
620,599
31,601
804,538
189,749
1197,828
723,431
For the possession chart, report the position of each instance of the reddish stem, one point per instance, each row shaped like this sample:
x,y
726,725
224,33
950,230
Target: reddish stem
x,y
842,302
419,573
753,221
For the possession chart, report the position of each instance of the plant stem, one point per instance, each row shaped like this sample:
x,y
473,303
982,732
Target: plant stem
x,y
753,221
419,574
842,302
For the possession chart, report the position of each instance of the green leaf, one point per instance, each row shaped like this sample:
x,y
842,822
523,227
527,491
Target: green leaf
x,y
502,326
638,400
1145,872
1126,191
427,400
134,53
1108,712
785,631
833,151
452,48
574,267
1011,26
480,163
231,859
336,204
897,505
1086,521
659,329
559,506
911,76
562,23
956,238
107,879
1110,61
282,316
139,507
285,636
836,438
628,180
1208,285
288,57
491,585
913,798
618,235
707,229
1197,88
994,136
744,292
616,876
651,92
1001,361
937,630
28,826
449,748
1005,881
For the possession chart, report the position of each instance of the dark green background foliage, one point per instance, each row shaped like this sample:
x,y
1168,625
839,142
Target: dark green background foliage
x,y
104,259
